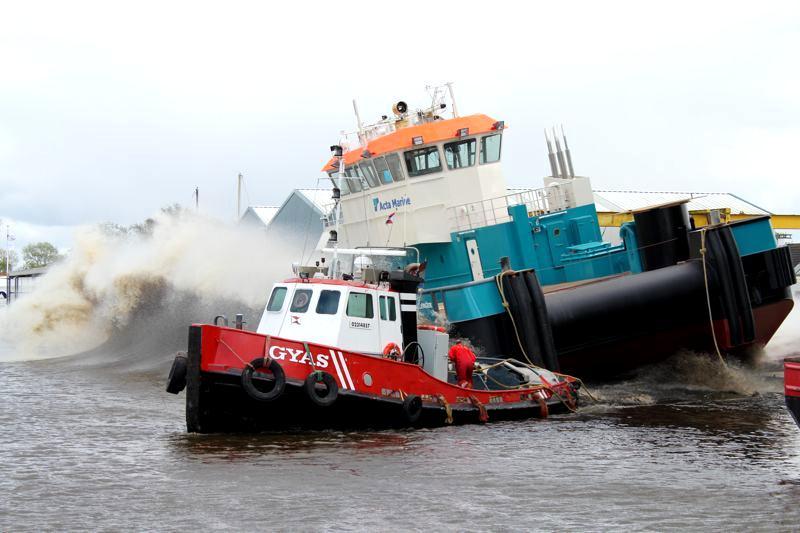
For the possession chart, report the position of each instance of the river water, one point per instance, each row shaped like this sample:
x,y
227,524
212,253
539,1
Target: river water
x,y
103,447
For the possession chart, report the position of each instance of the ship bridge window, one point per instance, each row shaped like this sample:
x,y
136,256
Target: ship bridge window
x,y
354,183
383,169
460,154
328,303
388,309
341,184
393,160
276,299
302,297
359,305
369,173
490,148
423,161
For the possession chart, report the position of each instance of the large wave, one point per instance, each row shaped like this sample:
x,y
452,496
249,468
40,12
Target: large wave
x,y
128,296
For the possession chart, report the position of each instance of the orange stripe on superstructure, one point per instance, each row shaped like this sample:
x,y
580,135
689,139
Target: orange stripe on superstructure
x,y
431,132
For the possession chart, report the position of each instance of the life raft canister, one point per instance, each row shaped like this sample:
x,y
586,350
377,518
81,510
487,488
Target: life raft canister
x,y
176,381
279,381
322,397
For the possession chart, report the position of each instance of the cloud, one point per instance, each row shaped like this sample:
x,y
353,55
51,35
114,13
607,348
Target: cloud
x,y
109,111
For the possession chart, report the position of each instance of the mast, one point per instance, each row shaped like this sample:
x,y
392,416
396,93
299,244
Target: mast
x,y
9,238
452,98
239,197
337,152
362,138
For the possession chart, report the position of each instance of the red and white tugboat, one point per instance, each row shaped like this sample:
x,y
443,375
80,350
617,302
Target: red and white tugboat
x,y
348,353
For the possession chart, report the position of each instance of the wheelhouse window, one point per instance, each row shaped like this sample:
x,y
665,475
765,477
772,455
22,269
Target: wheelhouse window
x,y
393,160
490,148
369,173
354,181
388,309
342,184
359,305
328,303
460,154
423,161
300,301
276,299
382,168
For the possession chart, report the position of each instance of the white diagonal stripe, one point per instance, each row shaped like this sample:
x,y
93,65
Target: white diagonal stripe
x,y
338,372
347,371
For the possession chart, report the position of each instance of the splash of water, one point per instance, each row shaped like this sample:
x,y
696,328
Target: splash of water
x,y
111,284
686,376
786,341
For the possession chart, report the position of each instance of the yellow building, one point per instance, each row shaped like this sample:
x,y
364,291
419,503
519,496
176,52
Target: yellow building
x,y
614,208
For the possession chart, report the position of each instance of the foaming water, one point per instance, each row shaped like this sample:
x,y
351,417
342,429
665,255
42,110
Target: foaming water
x,y
125,292
690,376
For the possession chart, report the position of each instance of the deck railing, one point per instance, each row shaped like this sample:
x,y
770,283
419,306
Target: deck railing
x,y
493,211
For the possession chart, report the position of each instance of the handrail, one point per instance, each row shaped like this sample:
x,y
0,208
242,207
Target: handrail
x,y
495,210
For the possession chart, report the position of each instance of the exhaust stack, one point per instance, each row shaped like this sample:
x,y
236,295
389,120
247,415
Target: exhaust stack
x,y
560,156
567,154
550,155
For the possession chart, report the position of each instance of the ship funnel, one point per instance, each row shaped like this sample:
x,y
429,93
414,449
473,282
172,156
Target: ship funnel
x,y
550,155
567,154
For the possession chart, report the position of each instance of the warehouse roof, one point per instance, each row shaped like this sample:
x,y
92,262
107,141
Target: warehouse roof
x,y
263,212
619,201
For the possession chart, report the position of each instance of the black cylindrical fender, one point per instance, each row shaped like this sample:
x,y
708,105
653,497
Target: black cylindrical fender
x,y
279,379
546,343
176,381
322,397
716,254
740,291
521,309
412,408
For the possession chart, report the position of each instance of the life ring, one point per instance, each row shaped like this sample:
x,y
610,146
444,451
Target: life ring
x,y
412,408
279,381
429,327
176,381
392,351
318,396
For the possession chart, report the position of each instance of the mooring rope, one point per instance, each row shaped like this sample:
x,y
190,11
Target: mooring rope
x,y
708,296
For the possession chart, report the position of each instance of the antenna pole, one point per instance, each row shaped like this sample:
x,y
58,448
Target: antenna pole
x,y
239,197
452,98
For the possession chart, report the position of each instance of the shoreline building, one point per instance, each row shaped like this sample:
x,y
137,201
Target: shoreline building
x,y
297,224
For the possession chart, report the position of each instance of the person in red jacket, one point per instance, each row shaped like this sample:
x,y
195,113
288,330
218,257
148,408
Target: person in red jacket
x,y
464,360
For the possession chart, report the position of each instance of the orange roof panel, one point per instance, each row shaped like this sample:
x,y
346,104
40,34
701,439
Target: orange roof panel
x,y
431,132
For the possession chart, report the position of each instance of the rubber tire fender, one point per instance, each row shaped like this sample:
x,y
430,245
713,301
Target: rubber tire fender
x,y
176,381
278,373
310,386
412,408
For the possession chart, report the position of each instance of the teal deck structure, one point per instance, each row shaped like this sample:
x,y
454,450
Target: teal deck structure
x,y
563,246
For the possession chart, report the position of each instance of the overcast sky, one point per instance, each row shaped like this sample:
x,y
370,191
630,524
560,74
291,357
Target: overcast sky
x,y
109,111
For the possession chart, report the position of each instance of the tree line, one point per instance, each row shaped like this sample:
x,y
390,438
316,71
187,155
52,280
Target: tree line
x,y
34,255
